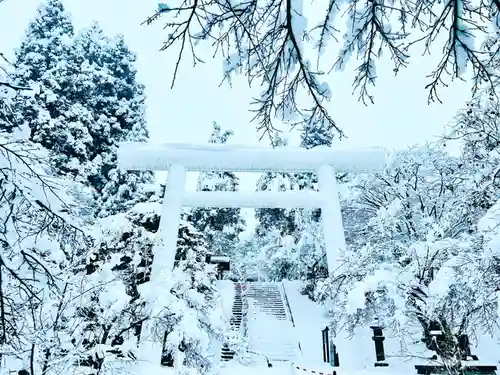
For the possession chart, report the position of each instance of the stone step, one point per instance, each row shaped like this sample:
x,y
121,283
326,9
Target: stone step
x,y
235,321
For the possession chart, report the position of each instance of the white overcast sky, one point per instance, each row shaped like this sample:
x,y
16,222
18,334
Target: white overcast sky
x,y
400,116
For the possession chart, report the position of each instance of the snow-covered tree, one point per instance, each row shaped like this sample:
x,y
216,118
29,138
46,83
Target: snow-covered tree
x,y
48,41
87,102
314,135
6,95
421,250
45,48
276,218
190,320
271,43
277,230
477,128
42,244
113,310
43,241
220,226
117,103
314,268
246,261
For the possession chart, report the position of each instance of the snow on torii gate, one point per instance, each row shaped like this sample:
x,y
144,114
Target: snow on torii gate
x,y
178,158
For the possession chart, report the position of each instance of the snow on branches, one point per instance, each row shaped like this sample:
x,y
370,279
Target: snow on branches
x,y
422,259
265,42
42,247
270,41
189,322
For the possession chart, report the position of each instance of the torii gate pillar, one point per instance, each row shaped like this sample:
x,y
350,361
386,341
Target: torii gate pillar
x,y
169,221
333,228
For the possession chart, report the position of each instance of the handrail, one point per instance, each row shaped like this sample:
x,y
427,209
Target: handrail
x,y
287,303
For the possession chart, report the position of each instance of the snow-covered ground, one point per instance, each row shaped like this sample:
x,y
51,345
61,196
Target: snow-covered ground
x,y
356,353
279,368
309,319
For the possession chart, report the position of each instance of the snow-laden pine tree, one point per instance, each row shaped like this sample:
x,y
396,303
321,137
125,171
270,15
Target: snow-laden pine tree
x,y
277,231
276,218
117,103
47,43
45,48
220,226
312,252
87,102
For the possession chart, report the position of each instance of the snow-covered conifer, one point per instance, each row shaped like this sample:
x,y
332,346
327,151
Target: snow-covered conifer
x,y
47,43
87,102
220,226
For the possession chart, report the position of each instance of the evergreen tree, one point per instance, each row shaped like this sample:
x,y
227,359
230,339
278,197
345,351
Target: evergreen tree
x,y
221,226
48,41
44,50
88,102
277,231
117,102
314,135
281,219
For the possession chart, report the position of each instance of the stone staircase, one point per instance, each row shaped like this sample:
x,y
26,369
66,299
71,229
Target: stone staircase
x,y
270,330
226,353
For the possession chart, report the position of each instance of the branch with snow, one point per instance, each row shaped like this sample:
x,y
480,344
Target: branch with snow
x,y
272,55
267,42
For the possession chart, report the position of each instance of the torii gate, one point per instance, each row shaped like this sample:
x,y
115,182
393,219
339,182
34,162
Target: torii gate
x,y
178,158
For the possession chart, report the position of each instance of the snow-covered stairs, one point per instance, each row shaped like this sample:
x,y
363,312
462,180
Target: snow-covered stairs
x,y
269,329
226,353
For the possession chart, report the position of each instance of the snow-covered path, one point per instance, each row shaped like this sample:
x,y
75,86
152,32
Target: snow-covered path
x,y
270,330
